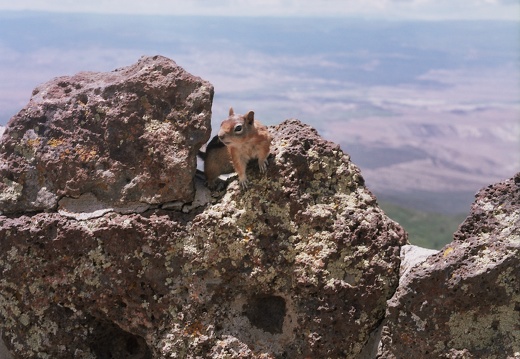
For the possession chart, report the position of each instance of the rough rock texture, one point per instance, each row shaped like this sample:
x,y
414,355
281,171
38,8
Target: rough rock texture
x,y
110,247
125,137
4,352
298,266
411,256
464,302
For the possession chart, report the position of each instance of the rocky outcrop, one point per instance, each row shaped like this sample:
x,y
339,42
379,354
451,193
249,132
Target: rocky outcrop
x,y
299,265
464,301
111,247
126,138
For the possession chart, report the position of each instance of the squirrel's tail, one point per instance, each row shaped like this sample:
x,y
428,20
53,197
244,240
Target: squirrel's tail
x,y
214,143
202,155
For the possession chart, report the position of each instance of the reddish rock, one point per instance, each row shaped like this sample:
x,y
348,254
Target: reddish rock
x,y
299,265
464,302
110,248
126,137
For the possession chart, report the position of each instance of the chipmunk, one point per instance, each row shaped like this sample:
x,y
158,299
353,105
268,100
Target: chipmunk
x,y
240,139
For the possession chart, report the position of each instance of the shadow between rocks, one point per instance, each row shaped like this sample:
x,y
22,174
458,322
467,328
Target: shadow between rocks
x,y
108,341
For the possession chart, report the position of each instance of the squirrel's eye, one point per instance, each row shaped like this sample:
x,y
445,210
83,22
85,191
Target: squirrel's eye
x,y
238,128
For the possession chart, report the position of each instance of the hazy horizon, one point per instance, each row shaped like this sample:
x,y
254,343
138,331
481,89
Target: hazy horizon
x,y
368,9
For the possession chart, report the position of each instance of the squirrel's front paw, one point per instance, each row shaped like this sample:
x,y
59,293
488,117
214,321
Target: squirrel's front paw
x,y
243,183
263,165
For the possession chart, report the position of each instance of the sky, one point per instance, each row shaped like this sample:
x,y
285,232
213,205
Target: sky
x,y
387,9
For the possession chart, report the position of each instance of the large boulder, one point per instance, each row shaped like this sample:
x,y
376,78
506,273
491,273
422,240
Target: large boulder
x,y
126,138
299,265
464,301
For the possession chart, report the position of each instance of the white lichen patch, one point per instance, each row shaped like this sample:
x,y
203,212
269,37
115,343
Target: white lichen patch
x,y
45,199
485,205
24,319
9,309
12,193
12,254
164,128
321,210
510,221
485,259
420,324
37,336
312,254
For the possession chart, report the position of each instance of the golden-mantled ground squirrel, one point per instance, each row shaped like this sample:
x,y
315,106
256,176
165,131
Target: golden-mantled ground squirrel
x,y
240,139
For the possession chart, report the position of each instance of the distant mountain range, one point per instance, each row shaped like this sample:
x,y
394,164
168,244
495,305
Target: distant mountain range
x,y
430,111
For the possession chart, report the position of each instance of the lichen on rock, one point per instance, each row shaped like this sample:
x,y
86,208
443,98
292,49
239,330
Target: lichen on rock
x,y
463,302
126,136
110,246
299,265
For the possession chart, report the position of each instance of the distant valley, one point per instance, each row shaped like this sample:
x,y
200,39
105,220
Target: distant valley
x,y
443,160
430,111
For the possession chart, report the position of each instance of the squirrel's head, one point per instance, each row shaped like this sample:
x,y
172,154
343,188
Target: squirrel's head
x,y
236,128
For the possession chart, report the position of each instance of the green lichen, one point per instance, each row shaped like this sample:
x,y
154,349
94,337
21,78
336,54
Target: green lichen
x,y
343,268
508,279
89,268
28,145
9,309
480,330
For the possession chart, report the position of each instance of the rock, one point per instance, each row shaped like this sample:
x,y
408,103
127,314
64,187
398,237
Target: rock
x,y
299,265
87,206
4,352
411,256
126,137
464,302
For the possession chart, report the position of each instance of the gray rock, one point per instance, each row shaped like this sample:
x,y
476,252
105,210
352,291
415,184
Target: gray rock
x,y
411,256
4,352
463,302
87,206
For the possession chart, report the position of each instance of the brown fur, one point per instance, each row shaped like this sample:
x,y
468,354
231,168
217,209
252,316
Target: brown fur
x,y
244,138
216,161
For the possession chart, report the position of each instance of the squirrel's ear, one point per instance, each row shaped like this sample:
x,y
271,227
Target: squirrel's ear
x,y
231,111
250,117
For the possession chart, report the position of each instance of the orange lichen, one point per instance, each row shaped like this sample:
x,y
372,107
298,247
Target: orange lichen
x,y
447,251
86,154
55,142
194,329
34,142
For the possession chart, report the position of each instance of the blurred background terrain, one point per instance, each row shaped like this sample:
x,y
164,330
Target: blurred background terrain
x,y
427,104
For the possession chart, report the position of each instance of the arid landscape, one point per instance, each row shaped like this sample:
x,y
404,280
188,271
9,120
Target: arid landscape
x,y
429,110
